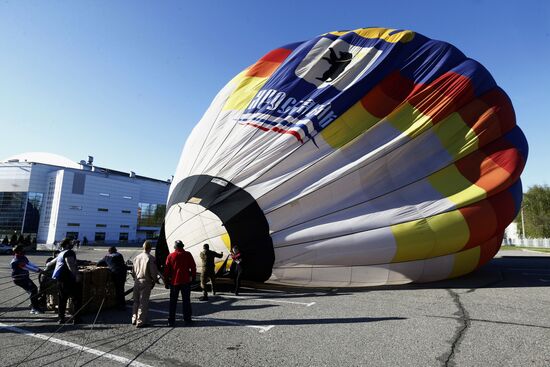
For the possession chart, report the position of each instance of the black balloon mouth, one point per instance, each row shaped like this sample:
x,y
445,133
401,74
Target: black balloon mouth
x,y
241,216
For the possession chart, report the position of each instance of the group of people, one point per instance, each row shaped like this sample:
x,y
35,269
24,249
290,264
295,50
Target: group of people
x,y
65,272
179,272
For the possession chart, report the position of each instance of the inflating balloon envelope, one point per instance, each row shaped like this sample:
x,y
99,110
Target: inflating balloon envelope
x,y
365,157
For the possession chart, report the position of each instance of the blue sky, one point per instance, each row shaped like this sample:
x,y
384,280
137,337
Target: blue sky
x,y
126,81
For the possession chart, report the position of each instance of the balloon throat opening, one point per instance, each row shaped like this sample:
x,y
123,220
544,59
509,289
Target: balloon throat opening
x,y
239,213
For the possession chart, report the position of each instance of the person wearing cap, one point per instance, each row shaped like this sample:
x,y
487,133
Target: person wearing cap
x,y
66,274
115,261
146,275
179,272
208,270
20,267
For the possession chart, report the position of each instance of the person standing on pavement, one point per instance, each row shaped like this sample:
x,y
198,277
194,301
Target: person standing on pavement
x,y
208,270
115,261
66,274
20,267
146,275
179,272
238,261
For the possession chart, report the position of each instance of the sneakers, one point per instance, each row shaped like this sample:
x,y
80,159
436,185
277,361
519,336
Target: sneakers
x,y
203,298
36,311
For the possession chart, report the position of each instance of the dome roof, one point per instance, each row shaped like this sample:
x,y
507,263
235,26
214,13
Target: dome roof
x,y
44,158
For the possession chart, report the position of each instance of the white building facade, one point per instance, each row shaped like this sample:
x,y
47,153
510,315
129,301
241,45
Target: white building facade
x,y
49,197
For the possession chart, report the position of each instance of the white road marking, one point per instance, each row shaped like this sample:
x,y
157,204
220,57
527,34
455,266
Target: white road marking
x,y
96,352
307,304
158,294
263,329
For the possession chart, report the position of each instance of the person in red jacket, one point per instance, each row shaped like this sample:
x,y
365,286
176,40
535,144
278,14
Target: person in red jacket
x,y
179,272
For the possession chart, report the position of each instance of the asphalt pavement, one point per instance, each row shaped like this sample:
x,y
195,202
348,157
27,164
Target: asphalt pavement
x,y
497,316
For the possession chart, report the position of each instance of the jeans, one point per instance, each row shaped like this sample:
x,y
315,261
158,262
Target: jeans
x,y
120,281
238,275
175,290
69,288
31,289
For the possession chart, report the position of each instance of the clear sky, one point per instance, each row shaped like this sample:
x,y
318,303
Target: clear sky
x,y
126,81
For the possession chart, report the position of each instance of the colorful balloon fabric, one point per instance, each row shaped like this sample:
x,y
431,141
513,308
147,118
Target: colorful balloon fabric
x,y
365,157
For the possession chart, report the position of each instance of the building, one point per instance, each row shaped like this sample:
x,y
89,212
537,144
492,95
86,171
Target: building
x,y
50,197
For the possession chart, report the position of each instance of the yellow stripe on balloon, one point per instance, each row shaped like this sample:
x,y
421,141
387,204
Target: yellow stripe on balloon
x,y
458,189
465,262
380,33
439,235
347,127
227,242
458,138
409,120
246,89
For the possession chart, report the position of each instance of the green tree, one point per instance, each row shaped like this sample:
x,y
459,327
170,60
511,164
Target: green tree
x,y
536,209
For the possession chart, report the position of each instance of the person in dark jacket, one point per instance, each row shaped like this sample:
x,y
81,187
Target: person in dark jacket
x,y
238,261
66,274
208,270
115,261
20,267
179,272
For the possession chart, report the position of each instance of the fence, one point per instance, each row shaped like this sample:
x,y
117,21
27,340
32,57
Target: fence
x,y
528,242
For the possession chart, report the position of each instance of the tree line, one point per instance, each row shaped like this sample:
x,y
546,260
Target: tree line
x,y
536,212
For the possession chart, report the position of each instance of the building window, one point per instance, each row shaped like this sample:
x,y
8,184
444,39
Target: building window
x,y
104,194
124,226
126,211
102,209
71,235
99,237
32,214
79,182
151,215
123,236
49,201
20,211
12,211
73,224
101,225
127,197
75,207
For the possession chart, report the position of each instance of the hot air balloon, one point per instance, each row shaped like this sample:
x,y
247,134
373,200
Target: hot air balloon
x,y
356,158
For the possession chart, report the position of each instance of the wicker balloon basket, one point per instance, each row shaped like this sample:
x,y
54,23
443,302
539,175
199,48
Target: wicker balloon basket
x,y
96,285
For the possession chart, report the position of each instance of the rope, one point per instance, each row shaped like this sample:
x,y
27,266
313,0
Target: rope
x,y
92,328
55,332
25,300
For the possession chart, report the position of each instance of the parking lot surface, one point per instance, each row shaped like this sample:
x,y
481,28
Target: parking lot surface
x,y
497,316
